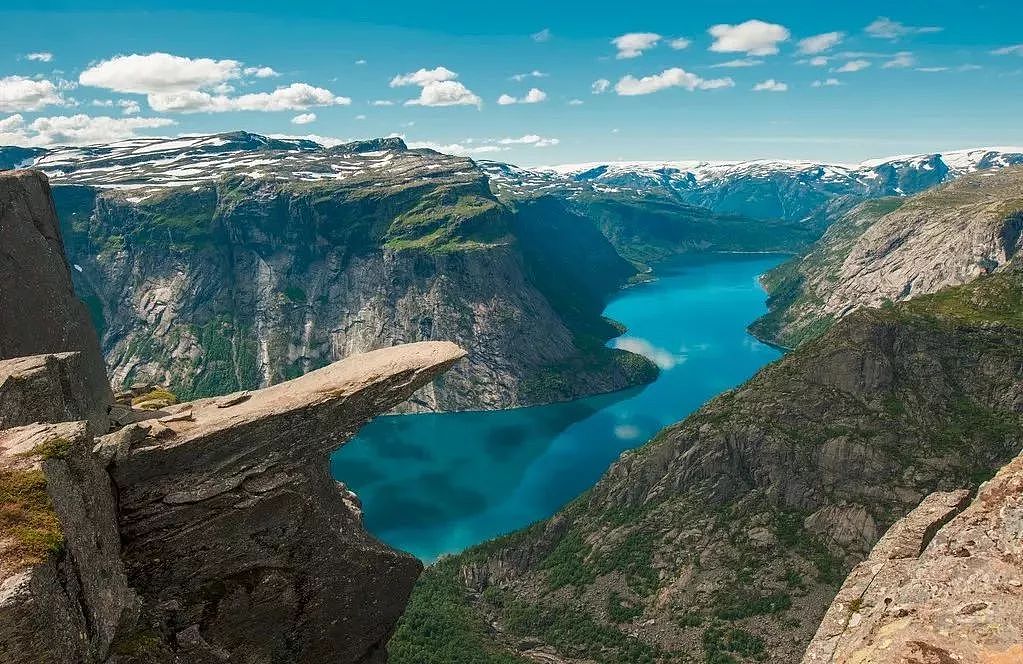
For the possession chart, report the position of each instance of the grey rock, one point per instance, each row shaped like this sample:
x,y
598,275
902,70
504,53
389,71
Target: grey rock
x,y
48,388
39,312
231,517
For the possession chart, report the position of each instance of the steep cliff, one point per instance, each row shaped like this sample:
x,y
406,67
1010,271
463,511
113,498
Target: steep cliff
x,y
896,249
205,532
39,312
233,262
725,538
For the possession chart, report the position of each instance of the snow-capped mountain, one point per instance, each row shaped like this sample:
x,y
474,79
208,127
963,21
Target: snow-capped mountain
x,y
764,189
802,191
155,163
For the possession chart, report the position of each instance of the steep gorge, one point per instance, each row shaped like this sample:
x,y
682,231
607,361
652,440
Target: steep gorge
x,y
725,538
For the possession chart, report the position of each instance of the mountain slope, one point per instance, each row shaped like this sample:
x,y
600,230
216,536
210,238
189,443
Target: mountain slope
x,y
235,261
896,249
725,538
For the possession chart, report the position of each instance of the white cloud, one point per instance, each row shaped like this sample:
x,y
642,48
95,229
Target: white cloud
x,y
159,73
542,36
770,85
73,130
575,102
294,97
424,77
663,358
445,93
742,62
360,62
600,86
669,78
533,74
456,149
820,43
303,118
40,56
381,102
632,44
438,88
534,96
529,139
260,72
885,28
853,66
827,83
752,37
819,61
900,61
18,93
103,103
1009,50
360,117
129,106
679,43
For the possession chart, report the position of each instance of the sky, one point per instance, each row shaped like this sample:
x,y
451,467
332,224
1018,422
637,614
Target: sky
x,y
530,82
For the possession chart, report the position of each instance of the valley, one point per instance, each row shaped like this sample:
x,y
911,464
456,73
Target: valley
x,y
616,471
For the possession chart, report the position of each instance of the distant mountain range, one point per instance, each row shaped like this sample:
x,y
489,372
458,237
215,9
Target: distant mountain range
x,y
761,189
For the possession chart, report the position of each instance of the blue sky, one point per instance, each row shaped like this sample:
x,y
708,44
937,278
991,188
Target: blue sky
x,y
527,82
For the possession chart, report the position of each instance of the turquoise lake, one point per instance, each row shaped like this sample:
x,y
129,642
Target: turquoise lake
x,y
439,483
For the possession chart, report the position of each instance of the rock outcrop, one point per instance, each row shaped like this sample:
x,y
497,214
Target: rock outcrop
x,y
204,532
943,585
39,312
240,542
63,590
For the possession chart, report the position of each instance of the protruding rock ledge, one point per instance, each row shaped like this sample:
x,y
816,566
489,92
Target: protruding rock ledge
x,y
234,531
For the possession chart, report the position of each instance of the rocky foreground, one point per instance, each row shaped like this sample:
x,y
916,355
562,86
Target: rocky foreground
x,y
943,585
208,531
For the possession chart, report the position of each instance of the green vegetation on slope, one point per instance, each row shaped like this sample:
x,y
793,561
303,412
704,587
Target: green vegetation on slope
x,y
27,518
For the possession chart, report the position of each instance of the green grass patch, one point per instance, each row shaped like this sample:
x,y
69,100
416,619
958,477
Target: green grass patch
x,y
27,518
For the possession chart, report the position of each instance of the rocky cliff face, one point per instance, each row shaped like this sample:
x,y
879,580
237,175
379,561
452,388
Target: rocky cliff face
x,y
209,531
39,311
294,256
896,249
725,538
942,585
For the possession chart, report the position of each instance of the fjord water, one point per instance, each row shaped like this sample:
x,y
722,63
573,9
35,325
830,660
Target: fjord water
x,y
439,483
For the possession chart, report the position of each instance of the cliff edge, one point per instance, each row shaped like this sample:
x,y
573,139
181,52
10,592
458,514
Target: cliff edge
x,y
209,531
943,585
